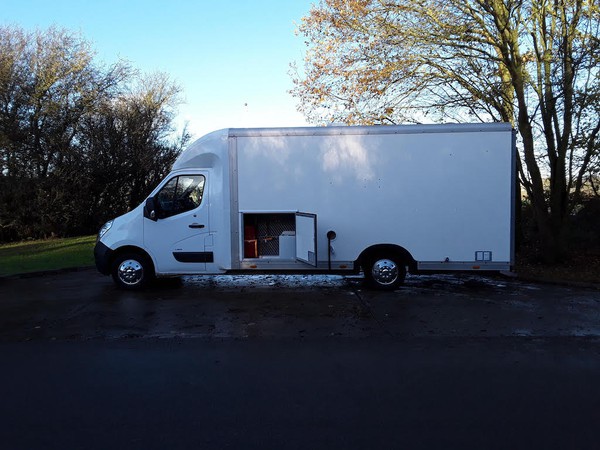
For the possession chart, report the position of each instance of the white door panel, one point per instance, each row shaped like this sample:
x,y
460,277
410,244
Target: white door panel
x,y
306,238
176,239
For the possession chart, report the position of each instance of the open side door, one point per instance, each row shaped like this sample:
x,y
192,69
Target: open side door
x,y
306,238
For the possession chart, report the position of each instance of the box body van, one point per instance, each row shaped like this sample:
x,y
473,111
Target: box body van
x,y
381,199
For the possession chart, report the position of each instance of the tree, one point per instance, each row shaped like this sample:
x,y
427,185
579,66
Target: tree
x,y
48,83
534,63
129,144
79,142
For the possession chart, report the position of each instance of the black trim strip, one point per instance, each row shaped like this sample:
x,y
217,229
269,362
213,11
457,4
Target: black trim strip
x,y
194,257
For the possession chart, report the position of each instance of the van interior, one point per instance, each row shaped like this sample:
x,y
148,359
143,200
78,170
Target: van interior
x,y
269,235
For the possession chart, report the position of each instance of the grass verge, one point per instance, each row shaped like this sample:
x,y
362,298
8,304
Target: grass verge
x,y
50,254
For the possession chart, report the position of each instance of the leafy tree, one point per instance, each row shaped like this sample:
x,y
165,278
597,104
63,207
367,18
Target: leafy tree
x,y
128,142
48,82
79,142
534,63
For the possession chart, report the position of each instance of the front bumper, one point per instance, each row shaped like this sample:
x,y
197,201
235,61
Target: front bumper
x,y
103,256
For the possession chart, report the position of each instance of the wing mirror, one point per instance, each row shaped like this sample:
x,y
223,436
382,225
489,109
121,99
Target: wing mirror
x,y
150,209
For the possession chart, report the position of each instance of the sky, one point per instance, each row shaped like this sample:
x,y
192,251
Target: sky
x,y
231,58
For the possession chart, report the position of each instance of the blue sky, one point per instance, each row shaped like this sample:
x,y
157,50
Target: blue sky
x,y
230,57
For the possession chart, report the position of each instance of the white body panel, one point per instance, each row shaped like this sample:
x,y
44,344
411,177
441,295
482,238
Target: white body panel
x,y
442,192
438,194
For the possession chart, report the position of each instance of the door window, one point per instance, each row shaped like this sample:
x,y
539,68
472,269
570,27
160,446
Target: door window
x,y
182,193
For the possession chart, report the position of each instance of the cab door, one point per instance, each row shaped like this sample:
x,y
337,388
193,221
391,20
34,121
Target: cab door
x,y
176,224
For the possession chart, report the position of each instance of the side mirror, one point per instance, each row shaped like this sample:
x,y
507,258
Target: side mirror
x,y
150,209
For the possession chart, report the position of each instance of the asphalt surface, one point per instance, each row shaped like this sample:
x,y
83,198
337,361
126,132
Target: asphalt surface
x,y
86,305
298,362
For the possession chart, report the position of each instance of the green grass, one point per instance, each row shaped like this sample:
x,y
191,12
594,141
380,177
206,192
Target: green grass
x,y
34,256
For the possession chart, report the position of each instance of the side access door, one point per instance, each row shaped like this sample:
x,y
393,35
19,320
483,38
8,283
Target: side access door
x,y
176,224
306,238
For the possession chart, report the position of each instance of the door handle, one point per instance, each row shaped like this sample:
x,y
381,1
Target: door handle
x,y
196,225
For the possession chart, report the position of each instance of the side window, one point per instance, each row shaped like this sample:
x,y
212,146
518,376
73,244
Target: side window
x,y
180,194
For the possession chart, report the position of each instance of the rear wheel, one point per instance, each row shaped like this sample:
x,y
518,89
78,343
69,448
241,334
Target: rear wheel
x,y
385,272
132,271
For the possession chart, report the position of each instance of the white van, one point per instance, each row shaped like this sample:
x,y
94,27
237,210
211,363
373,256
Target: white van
x,y
381,199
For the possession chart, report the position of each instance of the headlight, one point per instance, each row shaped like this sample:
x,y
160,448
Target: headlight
x,y
104,229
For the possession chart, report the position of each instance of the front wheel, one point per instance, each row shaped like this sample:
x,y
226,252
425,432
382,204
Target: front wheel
x,y
132,271
385,273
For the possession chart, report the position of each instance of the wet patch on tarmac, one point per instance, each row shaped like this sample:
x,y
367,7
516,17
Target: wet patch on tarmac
x,y
85,305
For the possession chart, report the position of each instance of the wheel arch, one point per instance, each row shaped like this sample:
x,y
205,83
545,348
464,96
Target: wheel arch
x,y
132,249
387,250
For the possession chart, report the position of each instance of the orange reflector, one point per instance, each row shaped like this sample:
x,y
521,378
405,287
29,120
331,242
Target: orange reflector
x,y
476,267
253,266
343,266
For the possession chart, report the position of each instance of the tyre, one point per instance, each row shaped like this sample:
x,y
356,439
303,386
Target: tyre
x,y
132,271
385,273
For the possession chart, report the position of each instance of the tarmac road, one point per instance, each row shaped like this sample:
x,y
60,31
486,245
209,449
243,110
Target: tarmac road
x,y
85,305
296,362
